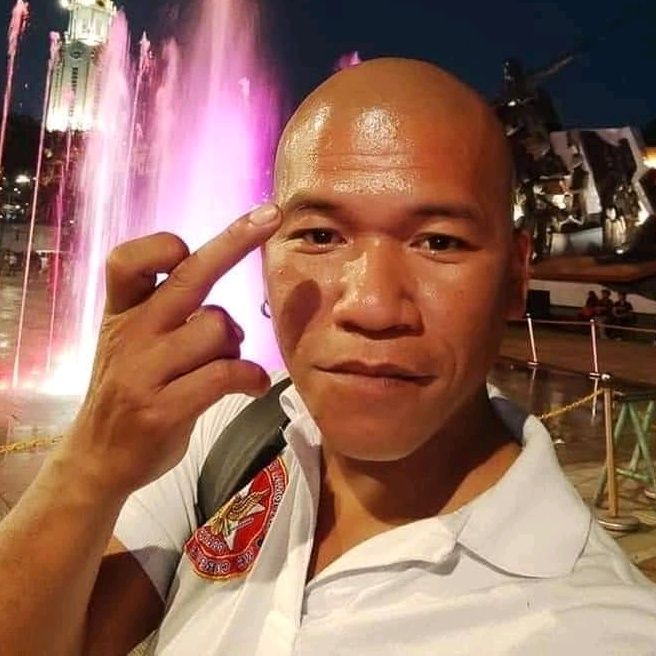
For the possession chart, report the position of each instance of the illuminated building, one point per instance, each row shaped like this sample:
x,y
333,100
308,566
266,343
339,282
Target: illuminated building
x,y
72,99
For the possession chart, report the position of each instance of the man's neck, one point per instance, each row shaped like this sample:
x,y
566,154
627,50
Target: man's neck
x,y
361,499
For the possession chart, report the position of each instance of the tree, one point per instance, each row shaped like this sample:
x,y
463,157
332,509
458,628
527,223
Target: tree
x,y
21,146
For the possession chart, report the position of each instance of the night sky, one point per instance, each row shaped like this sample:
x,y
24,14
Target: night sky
x,y
611,85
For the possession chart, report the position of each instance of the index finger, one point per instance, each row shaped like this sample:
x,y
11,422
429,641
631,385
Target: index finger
x,y
191,281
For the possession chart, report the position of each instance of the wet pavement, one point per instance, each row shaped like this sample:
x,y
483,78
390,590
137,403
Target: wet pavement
x,y
36,333
561,380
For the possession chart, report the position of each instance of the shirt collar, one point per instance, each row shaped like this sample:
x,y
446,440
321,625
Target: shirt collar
x,y
531,523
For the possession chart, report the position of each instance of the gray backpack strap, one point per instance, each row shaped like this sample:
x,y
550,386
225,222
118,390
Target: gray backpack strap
x,y
247,445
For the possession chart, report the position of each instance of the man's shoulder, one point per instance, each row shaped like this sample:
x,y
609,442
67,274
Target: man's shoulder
x,y
604,605
604,563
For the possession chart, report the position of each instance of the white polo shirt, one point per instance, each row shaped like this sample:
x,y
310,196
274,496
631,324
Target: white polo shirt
x,y
522,569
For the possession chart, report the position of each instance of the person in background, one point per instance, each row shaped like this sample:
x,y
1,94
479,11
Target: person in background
x,y
604,312
589,310
622,314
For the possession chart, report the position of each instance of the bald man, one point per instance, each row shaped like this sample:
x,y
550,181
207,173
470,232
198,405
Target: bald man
x,y
414,510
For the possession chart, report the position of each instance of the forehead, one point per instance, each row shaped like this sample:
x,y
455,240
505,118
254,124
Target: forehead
x,y
381,148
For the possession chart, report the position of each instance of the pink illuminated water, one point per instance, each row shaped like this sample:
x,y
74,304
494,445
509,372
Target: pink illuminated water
x,y
348,60
186,149
17,24
55,46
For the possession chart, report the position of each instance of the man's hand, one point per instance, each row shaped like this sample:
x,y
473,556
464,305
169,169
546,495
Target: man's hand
x,y
162,359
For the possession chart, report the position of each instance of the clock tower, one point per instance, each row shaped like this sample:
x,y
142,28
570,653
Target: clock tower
x,y
72,99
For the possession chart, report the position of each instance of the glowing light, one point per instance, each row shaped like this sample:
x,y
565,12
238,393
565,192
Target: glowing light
x,y
23,179
348,60
643,215
650,158
65,378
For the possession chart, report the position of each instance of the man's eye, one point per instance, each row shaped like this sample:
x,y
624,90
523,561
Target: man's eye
x,y
319,237
438,243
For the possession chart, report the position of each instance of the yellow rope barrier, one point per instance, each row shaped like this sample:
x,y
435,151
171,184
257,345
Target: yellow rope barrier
x,y
21,447
571,406
45,442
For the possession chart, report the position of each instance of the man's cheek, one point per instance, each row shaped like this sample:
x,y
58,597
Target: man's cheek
x,y
298,306
295,298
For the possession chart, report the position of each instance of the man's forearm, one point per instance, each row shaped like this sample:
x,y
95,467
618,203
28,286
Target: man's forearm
x,y
51,546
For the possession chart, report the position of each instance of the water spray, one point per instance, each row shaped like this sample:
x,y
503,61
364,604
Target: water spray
x,y
55,46
17,25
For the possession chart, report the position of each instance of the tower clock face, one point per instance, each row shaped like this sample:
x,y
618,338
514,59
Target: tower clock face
x,y
76,54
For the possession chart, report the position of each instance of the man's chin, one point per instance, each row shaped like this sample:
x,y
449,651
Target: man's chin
x,y
372,445
374,434
374,419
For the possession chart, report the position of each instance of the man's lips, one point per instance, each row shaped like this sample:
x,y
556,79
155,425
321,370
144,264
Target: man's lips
x,y
378,370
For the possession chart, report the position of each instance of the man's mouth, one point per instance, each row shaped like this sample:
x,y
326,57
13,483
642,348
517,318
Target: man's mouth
x,y
379,371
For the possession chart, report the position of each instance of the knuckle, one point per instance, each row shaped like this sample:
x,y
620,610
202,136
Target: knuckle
x,y
181,276
215,315
219,374
118,260
215,326
125,392
234,233
174,246
152,418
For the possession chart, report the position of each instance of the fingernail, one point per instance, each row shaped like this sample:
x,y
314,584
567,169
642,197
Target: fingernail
x,y
263,215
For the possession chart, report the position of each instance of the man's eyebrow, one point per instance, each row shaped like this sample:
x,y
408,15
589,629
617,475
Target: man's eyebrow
x,y
446,210
305,202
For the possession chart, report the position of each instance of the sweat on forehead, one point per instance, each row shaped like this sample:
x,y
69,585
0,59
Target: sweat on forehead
x,y
395,107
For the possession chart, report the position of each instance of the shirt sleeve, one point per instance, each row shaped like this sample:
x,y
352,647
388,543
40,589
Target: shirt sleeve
x,y
157,520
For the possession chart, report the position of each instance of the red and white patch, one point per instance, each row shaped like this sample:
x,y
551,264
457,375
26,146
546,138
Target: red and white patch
x,y
228,544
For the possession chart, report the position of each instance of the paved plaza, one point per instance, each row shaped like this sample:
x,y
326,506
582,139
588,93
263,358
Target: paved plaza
x,y
561,379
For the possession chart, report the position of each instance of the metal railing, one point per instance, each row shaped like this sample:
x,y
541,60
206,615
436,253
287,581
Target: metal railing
x,y
612,519
596,329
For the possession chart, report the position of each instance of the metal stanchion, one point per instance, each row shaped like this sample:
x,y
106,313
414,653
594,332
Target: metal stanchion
x,y
595,356
612,520
531,335
594,401
531,385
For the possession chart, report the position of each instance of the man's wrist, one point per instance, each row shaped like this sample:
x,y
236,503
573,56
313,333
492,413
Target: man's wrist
x,y
82,481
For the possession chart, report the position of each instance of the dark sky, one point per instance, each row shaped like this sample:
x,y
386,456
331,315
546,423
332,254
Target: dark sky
x,y
612,85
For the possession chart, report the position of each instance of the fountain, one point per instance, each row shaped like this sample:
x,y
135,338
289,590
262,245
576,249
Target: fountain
x,y
183,144
17,24
55,44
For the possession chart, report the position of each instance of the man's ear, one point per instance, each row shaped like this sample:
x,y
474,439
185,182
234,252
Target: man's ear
x,y
520,269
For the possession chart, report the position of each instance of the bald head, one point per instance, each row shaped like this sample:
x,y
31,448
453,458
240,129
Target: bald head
x,y
395,248
398,114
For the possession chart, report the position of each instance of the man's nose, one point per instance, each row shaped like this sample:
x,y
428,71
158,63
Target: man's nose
x,y
378,292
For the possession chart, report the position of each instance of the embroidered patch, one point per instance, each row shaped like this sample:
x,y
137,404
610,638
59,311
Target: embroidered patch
x,y
228,544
